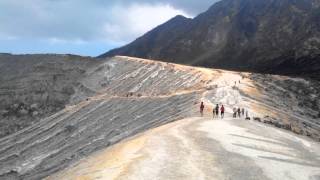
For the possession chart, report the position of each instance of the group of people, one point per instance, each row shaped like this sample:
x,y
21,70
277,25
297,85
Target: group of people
x,y
216,110
235,82
220,110
238,112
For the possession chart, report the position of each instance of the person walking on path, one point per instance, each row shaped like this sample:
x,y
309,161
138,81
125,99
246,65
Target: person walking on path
x,y
222,111
201,108
242,111
239,112
234,112
217,110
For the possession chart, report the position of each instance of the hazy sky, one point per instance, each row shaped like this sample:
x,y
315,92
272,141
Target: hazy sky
x,y
85,27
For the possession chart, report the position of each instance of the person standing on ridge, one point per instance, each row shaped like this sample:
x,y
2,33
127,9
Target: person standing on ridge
x,y
217,110
201,108
222,111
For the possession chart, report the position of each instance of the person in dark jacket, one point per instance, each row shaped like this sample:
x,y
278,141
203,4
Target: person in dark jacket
x,y
217,110
239,112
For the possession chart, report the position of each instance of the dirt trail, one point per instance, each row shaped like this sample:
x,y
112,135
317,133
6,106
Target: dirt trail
x,y
201,148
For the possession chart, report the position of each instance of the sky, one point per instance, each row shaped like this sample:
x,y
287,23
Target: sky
x,y
84,27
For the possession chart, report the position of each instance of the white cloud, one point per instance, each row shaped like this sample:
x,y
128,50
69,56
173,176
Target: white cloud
x,y
57,41
133,21
80,20
75,23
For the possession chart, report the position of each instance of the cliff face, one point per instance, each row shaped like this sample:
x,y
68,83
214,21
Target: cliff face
x,y
273,36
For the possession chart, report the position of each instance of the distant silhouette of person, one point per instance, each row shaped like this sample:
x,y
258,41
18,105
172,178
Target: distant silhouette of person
x,y
222,111
217,110
247,115
234,112
239,112
242,111
213,112
201,108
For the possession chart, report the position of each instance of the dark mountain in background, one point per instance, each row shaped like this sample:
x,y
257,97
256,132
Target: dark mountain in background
x,y
268,36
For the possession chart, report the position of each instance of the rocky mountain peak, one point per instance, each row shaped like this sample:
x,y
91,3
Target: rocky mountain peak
x,y
270,36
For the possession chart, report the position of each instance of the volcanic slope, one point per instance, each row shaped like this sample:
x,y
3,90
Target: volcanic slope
x,y
119,97
214,148
35,86
130,96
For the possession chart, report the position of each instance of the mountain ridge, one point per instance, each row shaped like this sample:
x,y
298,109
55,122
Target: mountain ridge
x,y
247,35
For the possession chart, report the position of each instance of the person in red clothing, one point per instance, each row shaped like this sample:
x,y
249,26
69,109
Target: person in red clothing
x,y
201,108
222,111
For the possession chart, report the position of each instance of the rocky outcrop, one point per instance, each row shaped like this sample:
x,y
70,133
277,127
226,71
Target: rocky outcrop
x,y
249,35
